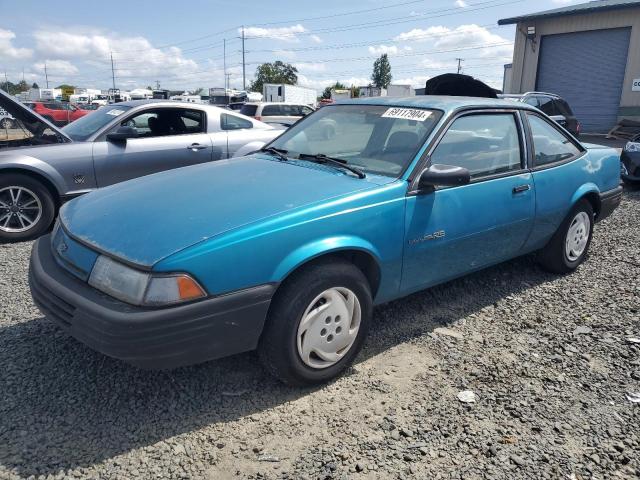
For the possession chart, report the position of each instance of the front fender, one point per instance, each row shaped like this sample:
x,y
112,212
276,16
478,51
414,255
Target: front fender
x,y
309,251
32,164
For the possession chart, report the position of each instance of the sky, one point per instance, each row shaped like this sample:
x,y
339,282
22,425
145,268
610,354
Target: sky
x,y
186,46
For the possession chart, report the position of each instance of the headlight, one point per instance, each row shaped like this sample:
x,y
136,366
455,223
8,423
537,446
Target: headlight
x,y
633,147
140,288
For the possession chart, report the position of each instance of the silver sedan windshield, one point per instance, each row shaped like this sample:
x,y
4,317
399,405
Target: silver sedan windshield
x,y
84,127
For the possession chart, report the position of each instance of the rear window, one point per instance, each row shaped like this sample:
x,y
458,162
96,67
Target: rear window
x,y
249,110
563,108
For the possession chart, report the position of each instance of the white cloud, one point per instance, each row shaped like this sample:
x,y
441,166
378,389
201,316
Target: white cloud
x,y
7,50
310,67
133,56
380,49
56,67
460,37
285,34
461,4
284,53
316,38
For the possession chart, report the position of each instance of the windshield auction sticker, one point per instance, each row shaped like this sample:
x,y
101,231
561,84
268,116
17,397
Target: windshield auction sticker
x,y
115,112
407,114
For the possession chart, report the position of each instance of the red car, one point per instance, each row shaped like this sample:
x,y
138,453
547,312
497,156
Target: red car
x,y
58,113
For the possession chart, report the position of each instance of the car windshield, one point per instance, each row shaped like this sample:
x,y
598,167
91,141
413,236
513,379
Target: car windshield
x,y
376,139
84,127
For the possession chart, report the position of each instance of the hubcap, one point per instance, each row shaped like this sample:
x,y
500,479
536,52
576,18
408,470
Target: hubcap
x,y
577,236
329,327
20,209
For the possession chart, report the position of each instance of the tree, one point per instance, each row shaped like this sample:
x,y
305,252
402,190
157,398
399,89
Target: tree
x,y
276,72
23,86
381,75
355,91
198,91
35,85
327,91
66,85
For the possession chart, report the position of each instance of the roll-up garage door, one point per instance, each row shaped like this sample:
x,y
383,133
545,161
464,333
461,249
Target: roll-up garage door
x,y
586,69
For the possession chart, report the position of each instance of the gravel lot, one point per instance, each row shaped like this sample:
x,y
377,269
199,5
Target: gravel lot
x,y
550,359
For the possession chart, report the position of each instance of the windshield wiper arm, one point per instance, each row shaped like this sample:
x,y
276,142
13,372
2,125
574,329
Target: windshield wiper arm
x,y
277,152
338,162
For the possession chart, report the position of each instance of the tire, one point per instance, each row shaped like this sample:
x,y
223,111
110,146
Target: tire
x,y
282,346
35,204
563,254
630,183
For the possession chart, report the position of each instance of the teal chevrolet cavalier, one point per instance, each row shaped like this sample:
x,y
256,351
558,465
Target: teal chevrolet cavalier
x,y
288,250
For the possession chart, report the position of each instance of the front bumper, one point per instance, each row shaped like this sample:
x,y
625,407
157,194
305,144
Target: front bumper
x,y
631,162
152,338
609,201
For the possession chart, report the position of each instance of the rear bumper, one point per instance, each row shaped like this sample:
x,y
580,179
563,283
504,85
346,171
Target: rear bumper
x,y
148,338
609,201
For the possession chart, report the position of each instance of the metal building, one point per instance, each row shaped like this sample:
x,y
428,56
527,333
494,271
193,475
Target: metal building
x,y
588,53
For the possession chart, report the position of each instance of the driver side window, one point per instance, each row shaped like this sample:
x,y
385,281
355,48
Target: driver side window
x,y
162,122
484,144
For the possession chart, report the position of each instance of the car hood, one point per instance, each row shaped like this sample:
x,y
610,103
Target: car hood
x,y
145,220
31,120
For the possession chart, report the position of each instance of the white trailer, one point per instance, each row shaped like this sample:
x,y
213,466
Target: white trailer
x,y
45,94
340,94
281,92
400,91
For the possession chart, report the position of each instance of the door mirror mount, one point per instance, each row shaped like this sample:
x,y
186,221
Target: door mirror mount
x,y
438,175
122,134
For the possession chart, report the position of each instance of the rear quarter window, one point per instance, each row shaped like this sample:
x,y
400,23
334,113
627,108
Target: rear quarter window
x,y
249,110
271,111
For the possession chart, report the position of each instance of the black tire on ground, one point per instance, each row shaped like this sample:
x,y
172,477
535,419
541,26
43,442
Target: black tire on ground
x,y
45,198
278,348
554,257
630,183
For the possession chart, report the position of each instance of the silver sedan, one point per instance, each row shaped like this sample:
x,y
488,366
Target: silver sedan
x,y
115,143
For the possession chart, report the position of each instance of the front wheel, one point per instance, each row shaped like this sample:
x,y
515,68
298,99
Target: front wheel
x,y
27,208
569,245
317,323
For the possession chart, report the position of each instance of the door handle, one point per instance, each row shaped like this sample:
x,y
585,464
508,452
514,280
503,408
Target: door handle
x,y
521,188
194,147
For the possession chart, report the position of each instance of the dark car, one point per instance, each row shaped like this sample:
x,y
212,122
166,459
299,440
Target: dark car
x,y
630,162
553,105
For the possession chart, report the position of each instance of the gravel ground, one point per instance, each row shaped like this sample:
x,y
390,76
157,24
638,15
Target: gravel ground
x,y
550,360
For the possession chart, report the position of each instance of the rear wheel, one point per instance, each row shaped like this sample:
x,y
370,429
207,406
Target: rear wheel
x,y
317,323
26,208
569,245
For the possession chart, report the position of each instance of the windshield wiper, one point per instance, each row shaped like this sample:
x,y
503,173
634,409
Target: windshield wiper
x,y
337,162
277,152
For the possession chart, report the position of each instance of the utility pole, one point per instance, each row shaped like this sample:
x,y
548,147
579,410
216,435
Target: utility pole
x,y
45,74
23,82
228,77
244,77
460,60
6,82
113,74
157,84
224,68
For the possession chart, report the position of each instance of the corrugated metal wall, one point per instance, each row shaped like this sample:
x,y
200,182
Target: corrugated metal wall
x,y
526,51
586,69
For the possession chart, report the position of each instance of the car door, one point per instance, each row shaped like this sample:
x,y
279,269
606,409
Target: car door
x,y
237,131
454,230
168,137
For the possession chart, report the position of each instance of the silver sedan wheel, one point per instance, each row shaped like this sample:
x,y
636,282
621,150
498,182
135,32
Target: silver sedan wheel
x,y
329,327
20,209
577,236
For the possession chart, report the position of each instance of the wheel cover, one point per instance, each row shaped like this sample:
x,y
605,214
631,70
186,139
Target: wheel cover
x,y
329,327
577,236
20,209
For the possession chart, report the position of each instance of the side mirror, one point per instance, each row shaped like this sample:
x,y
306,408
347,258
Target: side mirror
x,y
438,175
122,134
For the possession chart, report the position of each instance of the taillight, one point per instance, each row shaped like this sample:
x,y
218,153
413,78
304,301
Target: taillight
x,y
578,127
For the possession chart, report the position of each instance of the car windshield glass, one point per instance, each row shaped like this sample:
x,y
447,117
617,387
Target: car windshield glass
x,y
376,139
84,127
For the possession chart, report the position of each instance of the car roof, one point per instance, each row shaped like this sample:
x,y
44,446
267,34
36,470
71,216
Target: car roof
x,y
438,102
276,103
